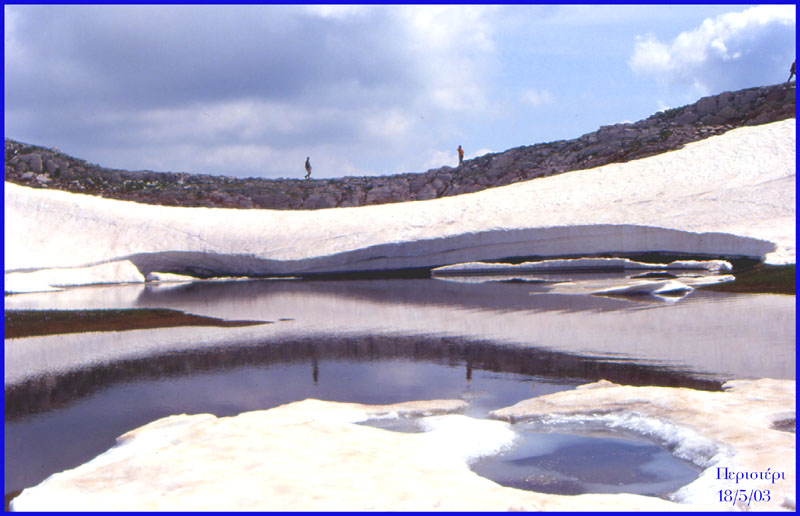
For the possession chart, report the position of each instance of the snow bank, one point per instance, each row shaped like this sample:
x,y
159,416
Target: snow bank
x,y
48,280
310,455
729,195
305,456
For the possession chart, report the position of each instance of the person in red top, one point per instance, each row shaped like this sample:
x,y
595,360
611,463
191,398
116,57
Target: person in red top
x,y
460,156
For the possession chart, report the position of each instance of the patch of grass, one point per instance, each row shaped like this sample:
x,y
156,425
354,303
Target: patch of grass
x,y
760,279
29,323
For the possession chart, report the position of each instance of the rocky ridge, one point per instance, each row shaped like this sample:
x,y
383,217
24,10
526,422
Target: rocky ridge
x,y
41,167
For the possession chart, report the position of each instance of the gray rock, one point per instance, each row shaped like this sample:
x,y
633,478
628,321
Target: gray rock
x,y
724,100
588,151
354,197
416,184
745,98
706,106
270,200
67,173
319,200
52,166
379,195
502,161
687,117
763,118
728,113
712,120
425,193
115,178
440,185
34,161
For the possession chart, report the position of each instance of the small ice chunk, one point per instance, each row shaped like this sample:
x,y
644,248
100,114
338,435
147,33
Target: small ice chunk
x,y
468,438
647,288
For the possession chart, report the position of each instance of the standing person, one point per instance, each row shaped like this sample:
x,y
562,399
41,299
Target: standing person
x,y
791,71
460,156
308,167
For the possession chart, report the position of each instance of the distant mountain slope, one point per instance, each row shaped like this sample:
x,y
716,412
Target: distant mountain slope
x,y
37,166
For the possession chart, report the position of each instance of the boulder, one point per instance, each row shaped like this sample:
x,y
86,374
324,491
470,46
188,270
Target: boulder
x,y
706,106
379,195
425,193
319,200
34,161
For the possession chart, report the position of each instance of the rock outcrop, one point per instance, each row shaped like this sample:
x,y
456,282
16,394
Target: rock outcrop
x,y
665,131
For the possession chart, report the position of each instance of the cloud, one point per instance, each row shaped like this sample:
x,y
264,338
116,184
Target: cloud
x,y
537,97
457,42
186,86
155,56
732,51
480,152
437,158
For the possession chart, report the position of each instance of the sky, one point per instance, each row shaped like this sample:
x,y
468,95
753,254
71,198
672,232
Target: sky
x,y
363,90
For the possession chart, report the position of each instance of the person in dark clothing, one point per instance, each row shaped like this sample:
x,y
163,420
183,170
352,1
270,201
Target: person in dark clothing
x,y
791,71
308,167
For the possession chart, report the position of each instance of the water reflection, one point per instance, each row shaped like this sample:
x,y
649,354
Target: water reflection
x,y
56,423
46,393
68,397
569,464
715,334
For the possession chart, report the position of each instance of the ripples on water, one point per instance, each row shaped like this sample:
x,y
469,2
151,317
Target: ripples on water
x,y
384,341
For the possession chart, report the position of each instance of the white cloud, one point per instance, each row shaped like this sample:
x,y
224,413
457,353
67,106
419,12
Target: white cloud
x,y
537,97
454,48
337,11
480,152
388,125
438,158
724,52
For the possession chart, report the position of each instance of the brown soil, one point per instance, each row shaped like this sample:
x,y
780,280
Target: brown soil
x,y
29,323
9,497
